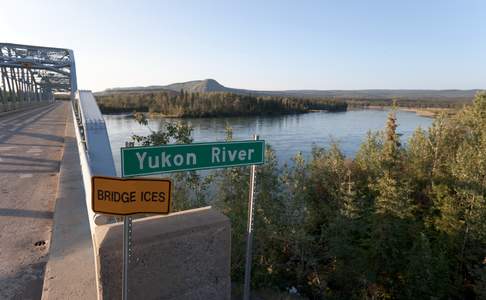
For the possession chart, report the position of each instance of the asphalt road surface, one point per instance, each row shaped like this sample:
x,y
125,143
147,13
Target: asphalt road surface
x,y
31,148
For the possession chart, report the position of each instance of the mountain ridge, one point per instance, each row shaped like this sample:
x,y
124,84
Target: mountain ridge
x,y
211,85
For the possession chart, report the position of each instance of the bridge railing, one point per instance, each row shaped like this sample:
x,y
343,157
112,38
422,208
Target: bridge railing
x,y
95,158
94,148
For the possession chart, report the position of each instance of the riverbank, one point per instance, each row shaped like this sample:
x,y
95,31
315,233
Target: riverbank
x,y
429,112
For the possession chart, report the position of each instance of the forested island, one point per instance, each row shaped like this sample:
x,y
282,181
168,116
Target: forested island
x,y
397,221
212,104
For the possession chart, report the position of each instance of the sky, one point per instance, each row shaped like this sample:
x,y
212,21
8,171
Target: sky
x,y
263,45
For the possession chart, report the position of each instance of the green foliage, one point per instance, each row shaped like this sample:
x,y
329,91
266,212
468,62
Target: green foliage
x,y
185,104
396,222
190,188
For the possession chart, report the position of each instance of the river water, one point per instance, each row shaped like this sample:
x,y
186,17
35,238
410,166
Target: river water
x,y
287,134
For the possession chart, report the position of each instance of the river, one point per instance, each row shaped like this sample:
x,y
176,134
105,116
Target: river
x,y
287,134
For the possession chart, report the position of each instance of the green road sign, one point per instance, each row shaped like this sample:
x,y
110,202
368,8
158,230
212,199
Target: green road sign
x,y
186,157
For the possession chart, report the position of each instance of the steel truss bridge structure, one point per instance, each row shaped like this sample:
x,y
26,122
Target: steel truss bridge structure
x,y
32,74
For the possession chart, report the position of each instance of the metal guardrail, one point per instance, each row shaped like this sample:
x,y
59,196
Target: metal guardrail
x,y
94,148
95,158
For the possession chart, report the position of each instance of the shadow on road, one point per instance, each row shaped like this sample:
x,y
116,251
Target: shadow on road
x,y
26,213
26,283
27,121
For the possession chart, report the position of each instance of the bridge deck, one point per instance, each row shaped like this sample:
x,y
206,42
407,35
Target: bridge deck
x,y
31,148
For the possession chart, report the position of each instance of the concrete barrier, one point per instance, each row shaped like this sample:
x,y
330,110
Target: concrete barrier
x,y
184,255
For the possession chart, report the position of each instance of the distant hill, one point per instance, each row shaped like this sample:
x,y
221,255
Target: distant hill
x,y
211,85
199,86
195,86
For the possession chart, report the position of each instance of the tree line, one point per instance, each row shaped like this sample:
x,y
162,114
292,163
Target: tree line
x,y
214,104
185,104
408,103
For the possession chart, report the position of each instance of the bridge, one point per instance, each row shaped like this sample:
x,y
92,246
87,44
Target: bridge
x,y
53,139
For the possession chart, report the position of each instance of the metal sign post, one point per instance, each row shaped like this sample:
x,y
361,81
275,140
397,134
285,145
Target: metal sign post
x,y
249,234
120,196
127,252
127,245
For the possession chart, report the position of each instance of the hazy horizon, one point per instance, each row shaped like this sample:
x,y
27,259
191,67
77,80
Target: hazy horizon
x,y
263,90
275,45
